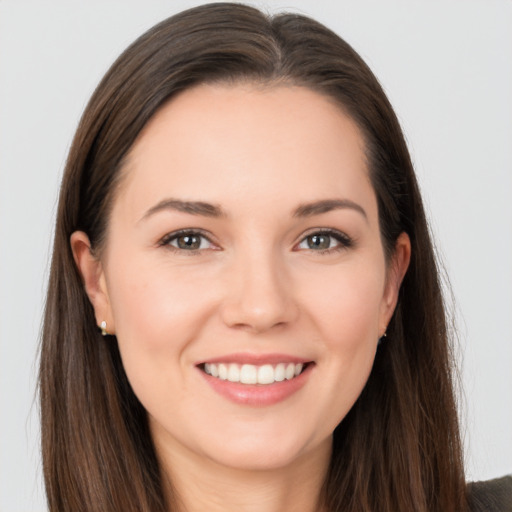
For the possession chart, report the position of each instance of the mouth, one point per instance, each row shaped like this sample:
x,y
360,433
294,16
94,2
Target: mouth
x,y
252,374
256,380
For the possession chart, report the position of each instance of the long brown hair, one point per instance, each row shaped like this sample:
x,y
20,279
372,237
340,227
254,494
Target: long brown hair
x,y
398,449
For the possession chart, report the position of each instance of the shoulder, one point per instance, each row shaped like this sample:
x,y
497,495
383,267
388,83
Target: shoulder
x,y
491,495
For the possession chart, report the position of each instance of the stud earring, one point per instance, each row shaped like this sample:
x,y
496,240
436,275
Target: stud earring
x,y
103,327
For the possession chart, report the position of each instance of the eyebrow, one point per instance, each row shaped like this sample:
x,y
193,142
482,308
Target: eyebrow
x,y
210,210
190,207
327,205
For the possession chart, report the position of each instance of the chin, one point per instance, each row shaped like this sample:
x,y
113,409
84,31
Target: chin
x,y
263,453
251,459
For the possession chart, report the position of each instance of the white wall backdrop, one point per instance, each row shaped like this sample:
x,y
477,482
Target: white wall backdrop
x,y
447,67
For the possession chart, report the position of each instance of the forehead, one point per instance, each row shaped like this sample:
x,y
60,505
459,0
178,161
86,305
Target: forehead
x,y
223,142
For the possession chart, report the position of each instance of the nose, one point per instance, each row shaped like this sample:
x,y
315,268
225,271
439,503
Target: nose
x,y
259,295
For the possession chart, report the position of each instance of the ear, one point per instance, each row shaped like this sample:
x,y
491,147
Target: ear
x,y
93,277
395,275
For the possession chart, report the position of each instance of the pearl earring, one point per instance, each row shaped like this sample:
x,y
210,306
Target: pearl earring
x,y
103,327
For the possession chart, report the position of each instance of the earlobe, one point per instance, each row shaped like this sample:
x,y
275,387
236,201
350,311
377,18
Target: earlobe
x,y
397,269
93,277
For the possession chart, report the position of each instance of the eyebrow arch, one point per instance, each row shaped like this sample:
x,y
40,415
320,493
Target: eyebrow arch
x,y
327,205
210,210
191,207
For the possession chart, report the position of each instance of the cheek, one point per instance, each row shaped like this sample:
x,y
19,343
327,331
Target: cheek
x,y
156,314
345,305
345,309
152,304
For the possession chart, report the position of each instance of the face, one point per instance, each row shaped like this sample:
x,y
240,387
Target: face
x,y
244,274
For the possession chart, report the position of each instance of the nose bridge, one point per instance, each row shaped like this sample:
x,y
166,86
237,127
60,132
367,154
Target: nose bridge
x,y
259,294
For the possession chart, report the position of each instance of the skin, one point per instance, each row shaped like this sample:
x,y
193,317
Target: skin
x,y
255,285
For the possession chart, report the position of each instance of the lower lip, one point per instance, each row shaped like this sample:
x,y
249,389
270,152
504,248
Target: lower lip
x,y
258,395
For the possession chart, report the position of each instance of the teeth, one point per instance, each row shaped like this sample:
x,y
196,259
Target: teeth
x,y
248,374
266,374
233,373
280,372
223,372
290,371
252,374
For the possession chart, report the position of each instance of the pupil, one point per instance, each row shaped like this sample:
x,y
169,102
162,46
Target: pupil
x,y
318,242
189,242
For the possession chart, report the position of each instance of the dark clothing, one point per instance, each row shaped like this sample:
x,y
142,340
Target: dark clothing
x,y
491,496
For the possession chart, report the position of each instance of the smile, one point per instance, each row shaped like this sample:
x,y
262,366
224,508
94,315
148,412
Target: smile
x,y
259,381
252,374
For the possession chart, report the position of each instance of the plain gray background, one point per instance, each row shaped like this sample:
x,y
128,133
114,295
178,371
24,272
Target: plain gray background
x,y
447,67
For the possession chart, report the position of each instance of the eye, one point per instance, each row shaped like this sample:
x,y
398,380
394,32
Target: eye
x,y
325,241
187,241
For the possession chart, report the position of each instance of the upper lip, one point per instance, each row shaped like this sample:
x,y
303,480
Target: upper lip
x,y
255,359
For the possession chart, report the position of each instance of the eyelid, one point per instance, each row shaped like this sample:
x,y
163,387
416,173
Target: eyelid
x,y
344,241
166,239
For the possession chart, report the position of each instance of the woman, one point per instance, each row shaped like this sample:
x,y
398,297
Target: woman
x,y
244,308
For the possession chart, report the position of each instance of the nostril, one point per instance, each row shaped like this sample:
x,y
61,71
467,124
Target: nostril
x,y
258,326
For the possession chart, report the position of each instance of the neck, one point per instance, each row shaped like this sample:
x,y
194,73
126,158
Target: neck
x,y
200,484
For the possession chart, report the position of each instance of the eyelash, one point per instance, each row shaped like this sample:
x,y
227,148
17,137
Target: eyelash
x,y
344,241
167,239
